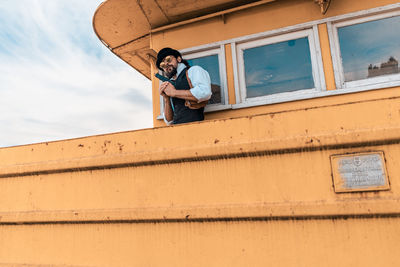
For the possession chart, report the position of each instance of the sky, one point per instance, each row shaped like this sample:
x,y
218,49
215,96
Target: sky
x,y
368,43
279,67
58,81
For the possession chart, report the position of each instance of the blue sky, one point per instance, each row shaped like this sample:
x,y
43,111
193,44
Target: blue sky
x,y
58,81
278,67
368,43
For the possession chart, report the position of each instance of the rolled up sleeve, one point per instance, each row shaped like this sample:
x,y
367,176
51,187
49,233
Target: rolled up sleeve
x,y
165,119
201,83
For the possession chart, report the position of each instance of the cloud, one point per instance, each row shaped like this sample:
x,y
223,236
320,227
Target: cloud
x,y
258,77
58,81
368,43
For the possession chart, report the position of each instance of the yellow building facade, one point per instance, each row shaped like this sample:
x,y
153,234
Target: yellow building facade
x,y
285,170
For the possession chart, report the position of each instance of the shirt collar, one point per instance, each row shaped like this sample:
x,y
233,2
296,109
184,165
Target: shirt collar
x,y
180,68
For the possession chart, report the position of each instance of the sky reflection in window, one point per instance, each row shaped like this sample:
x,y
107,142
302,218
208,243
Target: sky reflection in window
x,y
370,49
210,64
277,68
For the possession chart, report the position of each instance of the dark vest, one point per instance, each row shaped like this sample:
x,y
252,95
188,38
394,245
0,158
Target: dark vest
x,y
183,114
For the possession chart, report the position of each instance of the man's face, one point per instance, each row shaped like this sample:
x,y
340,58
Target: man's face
x,y
169,65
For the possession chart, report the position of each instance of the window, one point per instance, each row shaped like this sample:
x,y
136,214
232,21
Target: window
x,y
285,64
279,67
211,64
212,61
367,51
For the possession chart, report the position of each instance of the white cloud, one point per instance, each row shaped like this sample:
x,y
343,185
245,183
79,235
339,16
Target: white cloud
x,y
258,77
58,81
368,43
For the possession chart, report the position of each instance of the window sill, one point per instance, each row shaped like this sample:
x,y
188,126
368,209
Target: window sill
x,y
374,83
210,108
310,94
314,94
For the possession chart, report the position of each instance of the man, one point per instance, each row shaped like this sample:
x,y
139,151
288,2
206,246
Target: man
x,y
192,86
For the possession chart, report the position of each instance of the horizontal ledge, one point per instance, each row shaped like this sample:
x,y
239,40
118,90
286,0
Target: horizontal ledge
x,y
209,220
38,265
356,139
208,109
266,211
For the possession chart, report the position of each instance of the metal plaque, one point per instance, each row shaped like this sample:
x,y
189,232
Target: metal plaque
x,y
359,172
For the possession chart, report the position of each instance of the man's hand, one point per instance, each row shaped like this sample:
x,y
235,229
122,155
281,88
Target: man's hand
x,y
167,89
161,90
168,113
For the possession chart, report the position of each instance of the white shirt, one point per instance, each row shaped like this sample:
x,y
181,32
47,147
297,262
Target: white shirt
x,y
201,83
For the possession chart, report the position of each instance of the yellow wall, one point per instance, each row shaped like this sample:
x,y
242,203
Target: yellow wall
x,y
267,17
351,242
250,191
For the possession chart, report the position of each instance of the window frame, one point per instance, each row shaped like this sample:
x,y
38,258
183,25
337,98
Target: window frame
x,y
378,82
316,63
191,53
211,51
367,14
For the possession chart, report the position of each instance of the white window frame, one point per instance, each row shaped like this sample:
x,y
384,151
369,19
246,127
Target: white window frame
x,y
364,84
211,51
316,63
219,50
368,14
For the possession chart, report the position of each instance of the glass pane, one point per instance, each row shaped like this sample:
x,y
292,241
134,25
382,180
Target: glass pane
x,y
370,49
277,68
210,64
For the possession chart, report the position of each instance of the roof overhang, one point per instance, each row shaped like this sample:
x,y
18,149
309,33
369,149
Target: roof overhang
x,y
124,26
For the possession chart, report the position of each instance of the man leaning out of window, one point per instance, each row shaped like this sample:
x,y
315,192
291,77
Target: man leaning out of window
x,y
188,90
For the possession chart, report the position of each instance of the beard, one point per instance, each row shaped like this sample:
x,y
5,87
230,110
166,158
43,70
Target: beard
x,y
172,73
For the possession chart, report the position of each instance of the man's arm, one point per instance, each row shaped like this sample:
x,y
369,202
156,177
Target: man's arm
x,y
201,83
168,89
168,114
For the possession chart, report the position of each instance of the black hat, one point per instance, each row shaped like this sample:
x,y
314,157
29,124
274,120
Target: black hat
x,y
166,52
